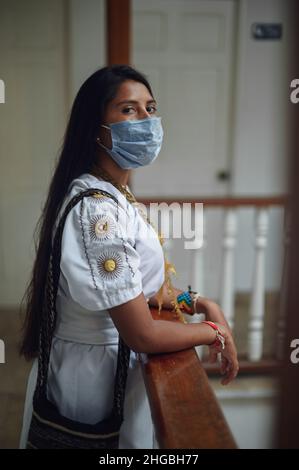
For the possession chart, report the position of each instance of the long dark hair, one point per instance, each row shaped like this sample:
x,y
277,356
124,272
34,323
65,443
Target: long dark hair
x,y
77,157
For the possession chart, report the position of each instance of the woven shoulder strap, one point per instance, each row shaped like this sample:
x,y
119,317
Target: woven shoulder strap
x,y
49,314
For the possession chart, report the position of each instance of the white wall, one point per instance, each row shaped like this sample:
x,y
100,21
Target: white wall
x,y
31,127
260,142
46,52
87,41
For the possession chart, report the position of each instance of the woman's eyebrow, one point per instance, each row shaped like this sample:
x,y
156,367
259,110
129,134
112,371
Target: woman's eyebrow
x,y
134,102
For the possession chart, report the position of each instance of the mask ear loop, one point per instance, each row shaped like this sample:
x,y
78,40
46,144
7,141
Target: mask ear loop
x,y
98,140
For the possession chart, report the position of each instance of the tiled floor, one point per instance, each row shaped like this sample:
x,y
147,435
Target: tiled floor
x,y
14,373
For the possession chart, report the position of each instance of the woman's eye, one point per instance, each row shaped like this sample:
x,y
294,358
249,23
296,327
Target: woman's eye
x,y
152,109
127,110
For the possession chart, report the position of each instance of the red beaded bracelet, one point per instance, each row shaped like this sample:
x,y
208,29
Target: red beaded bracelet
x,y
220,340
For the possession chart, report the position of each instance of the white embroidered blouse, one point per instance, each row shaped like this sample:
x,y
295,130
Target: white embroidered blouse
x,y
109,255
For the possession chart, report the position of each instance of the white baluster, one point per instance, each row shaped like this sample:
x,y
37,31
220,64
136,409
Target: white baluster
x,y
197,284
197,265
283,287
227,279
257,304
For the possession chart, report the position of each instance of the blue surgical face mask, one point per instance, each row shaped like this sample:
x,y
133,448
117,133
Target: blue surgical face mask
x,y
135,143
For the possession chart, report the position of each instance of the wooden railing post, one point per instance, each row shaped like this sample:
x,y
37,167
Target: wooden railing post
x,y
283,287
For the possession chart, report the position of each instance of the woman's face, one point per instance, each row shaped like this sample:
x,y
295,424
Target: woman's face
x,y
133,101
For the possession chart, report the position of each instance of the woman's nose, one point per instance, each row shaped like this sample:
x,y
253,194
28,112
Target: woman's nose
x,y
143,114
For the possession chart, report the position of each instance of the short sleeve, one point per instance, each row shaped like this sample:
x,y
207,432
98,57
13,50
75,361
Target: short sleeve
x,y
98,258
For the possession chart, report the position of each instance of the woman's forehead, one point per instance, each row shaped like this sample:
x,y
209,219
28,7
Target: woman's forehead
x,y
131,90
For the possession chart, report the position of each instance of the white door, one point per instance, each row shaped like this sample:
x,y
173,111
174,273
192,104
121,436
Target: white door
x,y
32,122
186,48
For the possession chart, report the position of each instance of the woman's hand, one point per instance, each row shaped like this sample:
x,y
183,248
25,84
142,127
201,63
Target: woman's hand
x,y
212,311
229,360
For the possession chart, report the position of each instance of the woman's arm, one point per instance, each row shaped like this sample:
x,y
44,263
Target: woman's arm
x,y
215,314
142,333
229,361
204,305
167,298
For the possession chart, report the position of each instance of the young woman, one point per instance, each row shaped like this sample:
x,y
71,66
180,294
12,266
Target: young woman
x,y
110,273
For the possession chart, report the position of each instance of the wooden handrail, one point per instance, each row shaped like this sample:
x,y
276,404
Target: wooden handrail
x,y
221,201
185,411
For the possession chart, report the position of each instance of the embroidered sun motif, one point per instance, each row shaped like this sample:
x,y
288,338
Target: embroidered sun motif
x,y
110,265
102,227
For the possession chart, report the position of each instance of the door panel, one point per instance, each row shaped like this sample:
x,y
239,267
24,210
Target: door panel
x,y
186,50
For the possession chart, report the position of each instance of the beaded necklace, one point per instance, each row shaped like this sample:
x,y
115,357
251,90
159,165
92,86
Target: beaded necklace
x,y
169,268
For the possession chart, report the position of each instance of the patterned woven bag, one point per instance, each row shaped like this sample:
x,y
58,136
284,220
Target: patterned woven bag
x,y
48,428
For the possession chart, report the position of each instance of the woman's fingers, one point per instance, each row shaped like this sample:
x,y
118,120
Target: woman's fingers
x,y
231,372
229,366
224,365
213,355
